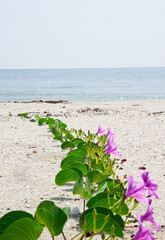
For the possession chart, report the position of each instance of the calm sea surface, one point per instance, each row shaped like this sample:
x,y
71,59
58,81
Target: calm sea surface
x,y
113,84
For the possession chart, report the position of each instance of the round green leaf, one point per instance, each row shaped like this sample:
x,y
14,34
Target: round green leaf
x,y
53,217
11,217
22,229
60,219
94,222
72,159
76,141
115,187
94,176
108,201
66,175
76,153
82,167
78,187
67,144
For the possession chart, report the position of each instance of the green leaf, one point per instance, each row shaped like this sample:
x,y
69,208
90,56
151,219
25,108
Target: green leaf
x,y
46,218
50,121
69,136
82,145
32,120
76,153
102,189
77,141
22,229
81,166
94,176
57,135
59,124
58,138
66,175
23,114
48,205
114,187
67,144
53,217
98,166
77,170
71,159
41,121
66,210
78,187
11,217
104,216
62,125
88,188
108,201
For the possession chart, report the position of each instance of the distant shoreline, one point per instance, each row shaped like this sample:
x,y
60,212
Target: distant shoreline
x,y
134,67
66,101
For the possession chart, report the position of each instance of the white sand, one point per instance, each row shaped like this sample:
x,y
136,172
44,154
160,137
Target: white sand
x,y
27,178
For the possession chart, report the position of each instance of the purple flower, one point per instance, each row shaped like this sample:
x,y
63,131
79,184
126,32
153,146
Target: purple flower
x,y
143,233
136,190
109,133
112,147
100,130
149,184
148,216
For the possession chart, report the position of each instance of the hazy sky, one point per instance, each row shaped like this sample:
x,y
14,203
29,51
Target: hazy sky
x,y
82,33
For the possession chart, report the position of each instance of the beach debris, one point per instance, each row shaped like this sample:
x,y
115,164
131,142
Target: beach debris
x,y
46,101
156,113
98,111
142,168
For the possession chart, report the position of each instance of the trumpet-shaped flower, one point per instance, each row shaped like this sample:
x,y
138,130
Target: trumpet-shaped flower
x,y
136,190
100,130
143,233
148,216
149,184
109,133
112,147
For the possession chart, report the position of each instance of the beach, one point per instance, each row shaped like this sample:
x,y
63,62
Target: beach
x,y
30,158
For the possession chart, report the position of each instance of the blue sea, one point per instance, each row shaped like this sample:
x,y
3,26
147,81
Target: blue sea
x,y
110,84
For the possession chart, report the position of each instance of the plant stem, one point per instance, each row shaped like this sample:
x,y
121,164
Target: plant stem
x,y
78,235
84,205
63,235
92,236
52,237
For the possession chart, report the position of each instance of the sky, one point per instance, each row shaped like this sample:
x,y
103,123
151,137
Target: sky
x,y
81,33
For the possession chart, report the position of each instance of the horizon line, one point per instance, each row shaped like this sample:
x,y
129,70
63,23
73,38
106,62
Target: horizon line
x,y
79,68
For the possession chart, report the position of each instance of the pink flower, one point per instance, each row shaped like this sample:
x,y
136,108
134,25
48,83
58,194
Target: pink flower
x,y
112,147
143,233
100,130
149,184
136,190
148,216
109,133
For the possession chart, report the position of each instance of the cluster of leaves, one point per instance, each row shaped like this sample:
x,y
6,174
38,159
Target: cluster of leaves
x,y
105,210
22,225
93,172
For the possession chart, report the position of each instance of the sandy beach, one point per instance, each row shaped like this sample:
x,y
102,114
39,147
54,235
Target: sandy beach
x,y
30,158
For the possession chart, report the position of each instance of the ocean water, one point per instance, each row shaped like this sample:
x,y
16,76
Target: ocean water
x,y
110,84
